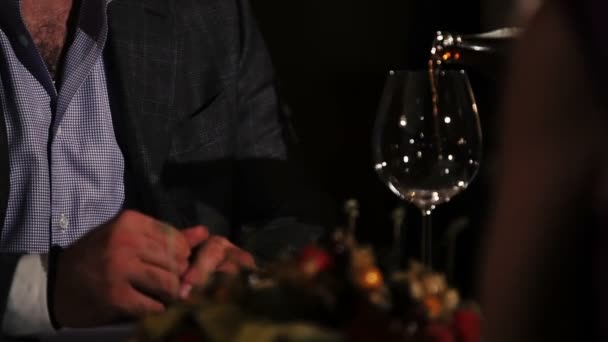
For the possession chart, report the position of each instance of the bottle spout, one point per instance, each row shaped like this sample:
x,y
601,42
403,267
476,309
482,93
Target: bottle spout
x,y
501,33
481,42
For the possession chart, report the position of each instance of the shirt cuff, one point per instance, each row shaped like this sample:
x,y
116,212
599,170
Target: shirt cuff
x,y
27,311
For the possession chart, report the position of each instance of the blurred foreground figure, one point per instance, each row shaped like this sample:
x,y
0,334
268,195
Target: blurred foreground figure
x,y
544,278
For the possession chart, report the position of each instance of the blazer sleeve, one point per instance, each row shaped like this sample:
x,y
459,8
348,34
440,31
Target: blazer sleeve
x,y
260,130
272,203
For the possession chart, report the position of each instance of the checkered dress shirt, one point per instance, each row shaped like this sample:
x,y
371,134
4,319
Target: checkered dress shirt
x,y
66,169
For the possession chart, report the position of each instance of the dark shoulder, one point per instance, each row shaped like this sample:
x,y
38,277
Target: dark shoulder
x,y
217,22
220,14
187,14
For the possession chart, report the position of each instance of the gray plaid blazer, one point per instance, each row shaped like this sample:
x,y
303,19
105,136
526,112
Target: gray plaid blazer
x,y
197,118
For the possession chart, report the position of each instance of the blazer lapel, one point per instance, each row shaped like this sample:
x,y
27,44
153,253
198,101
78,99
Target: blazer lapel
x,y
141,62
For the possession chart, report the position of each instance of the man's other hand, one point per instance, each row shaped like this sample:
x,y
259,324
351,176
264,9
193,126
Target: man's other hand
x,y
128,268
214,254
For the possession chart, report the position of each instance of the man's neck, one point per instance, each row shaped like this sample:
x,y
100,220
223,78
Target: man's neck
x,y
47,6
49,23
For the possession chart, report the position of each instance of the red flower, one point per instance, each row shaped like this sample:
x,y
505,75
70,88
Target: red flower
x,y
437,332
467,325
313,260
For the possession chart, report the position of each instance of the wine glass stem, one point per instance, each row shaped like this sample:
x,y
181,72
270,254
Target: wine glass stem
x,y
427,239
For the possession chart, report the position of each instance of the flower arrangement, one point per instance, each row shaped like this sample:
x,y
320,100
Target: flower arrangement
x,y
331,293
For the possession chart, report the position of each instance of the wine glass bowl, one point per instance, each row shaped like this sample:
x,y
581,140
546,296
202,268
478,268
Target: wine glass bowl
x,y
427,139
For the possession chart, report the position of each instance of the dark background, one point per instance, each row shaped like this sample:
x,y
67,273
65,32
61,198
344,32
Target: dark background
x,y
331,59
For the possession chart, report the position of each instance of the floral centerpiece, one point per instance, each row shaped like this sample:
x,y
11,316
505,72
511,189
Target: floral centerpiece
x,y
330,293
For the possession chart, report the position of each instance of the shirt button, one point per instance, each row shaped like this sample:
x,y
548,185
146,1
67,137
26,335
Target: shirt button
x,y
59,131
64,222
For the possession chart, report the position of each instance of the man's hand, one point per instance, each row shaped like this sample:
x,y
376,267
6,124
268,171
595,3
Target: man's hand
x,y
127,268
215,254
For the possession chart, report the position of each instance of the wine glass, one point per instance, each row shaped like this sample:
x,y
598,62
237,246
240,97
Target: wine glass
x,y
427,140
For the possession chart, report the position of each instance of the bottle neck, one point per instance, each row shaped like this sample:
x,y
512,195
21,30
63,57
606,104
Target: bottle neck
x,y
476,50
483,42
